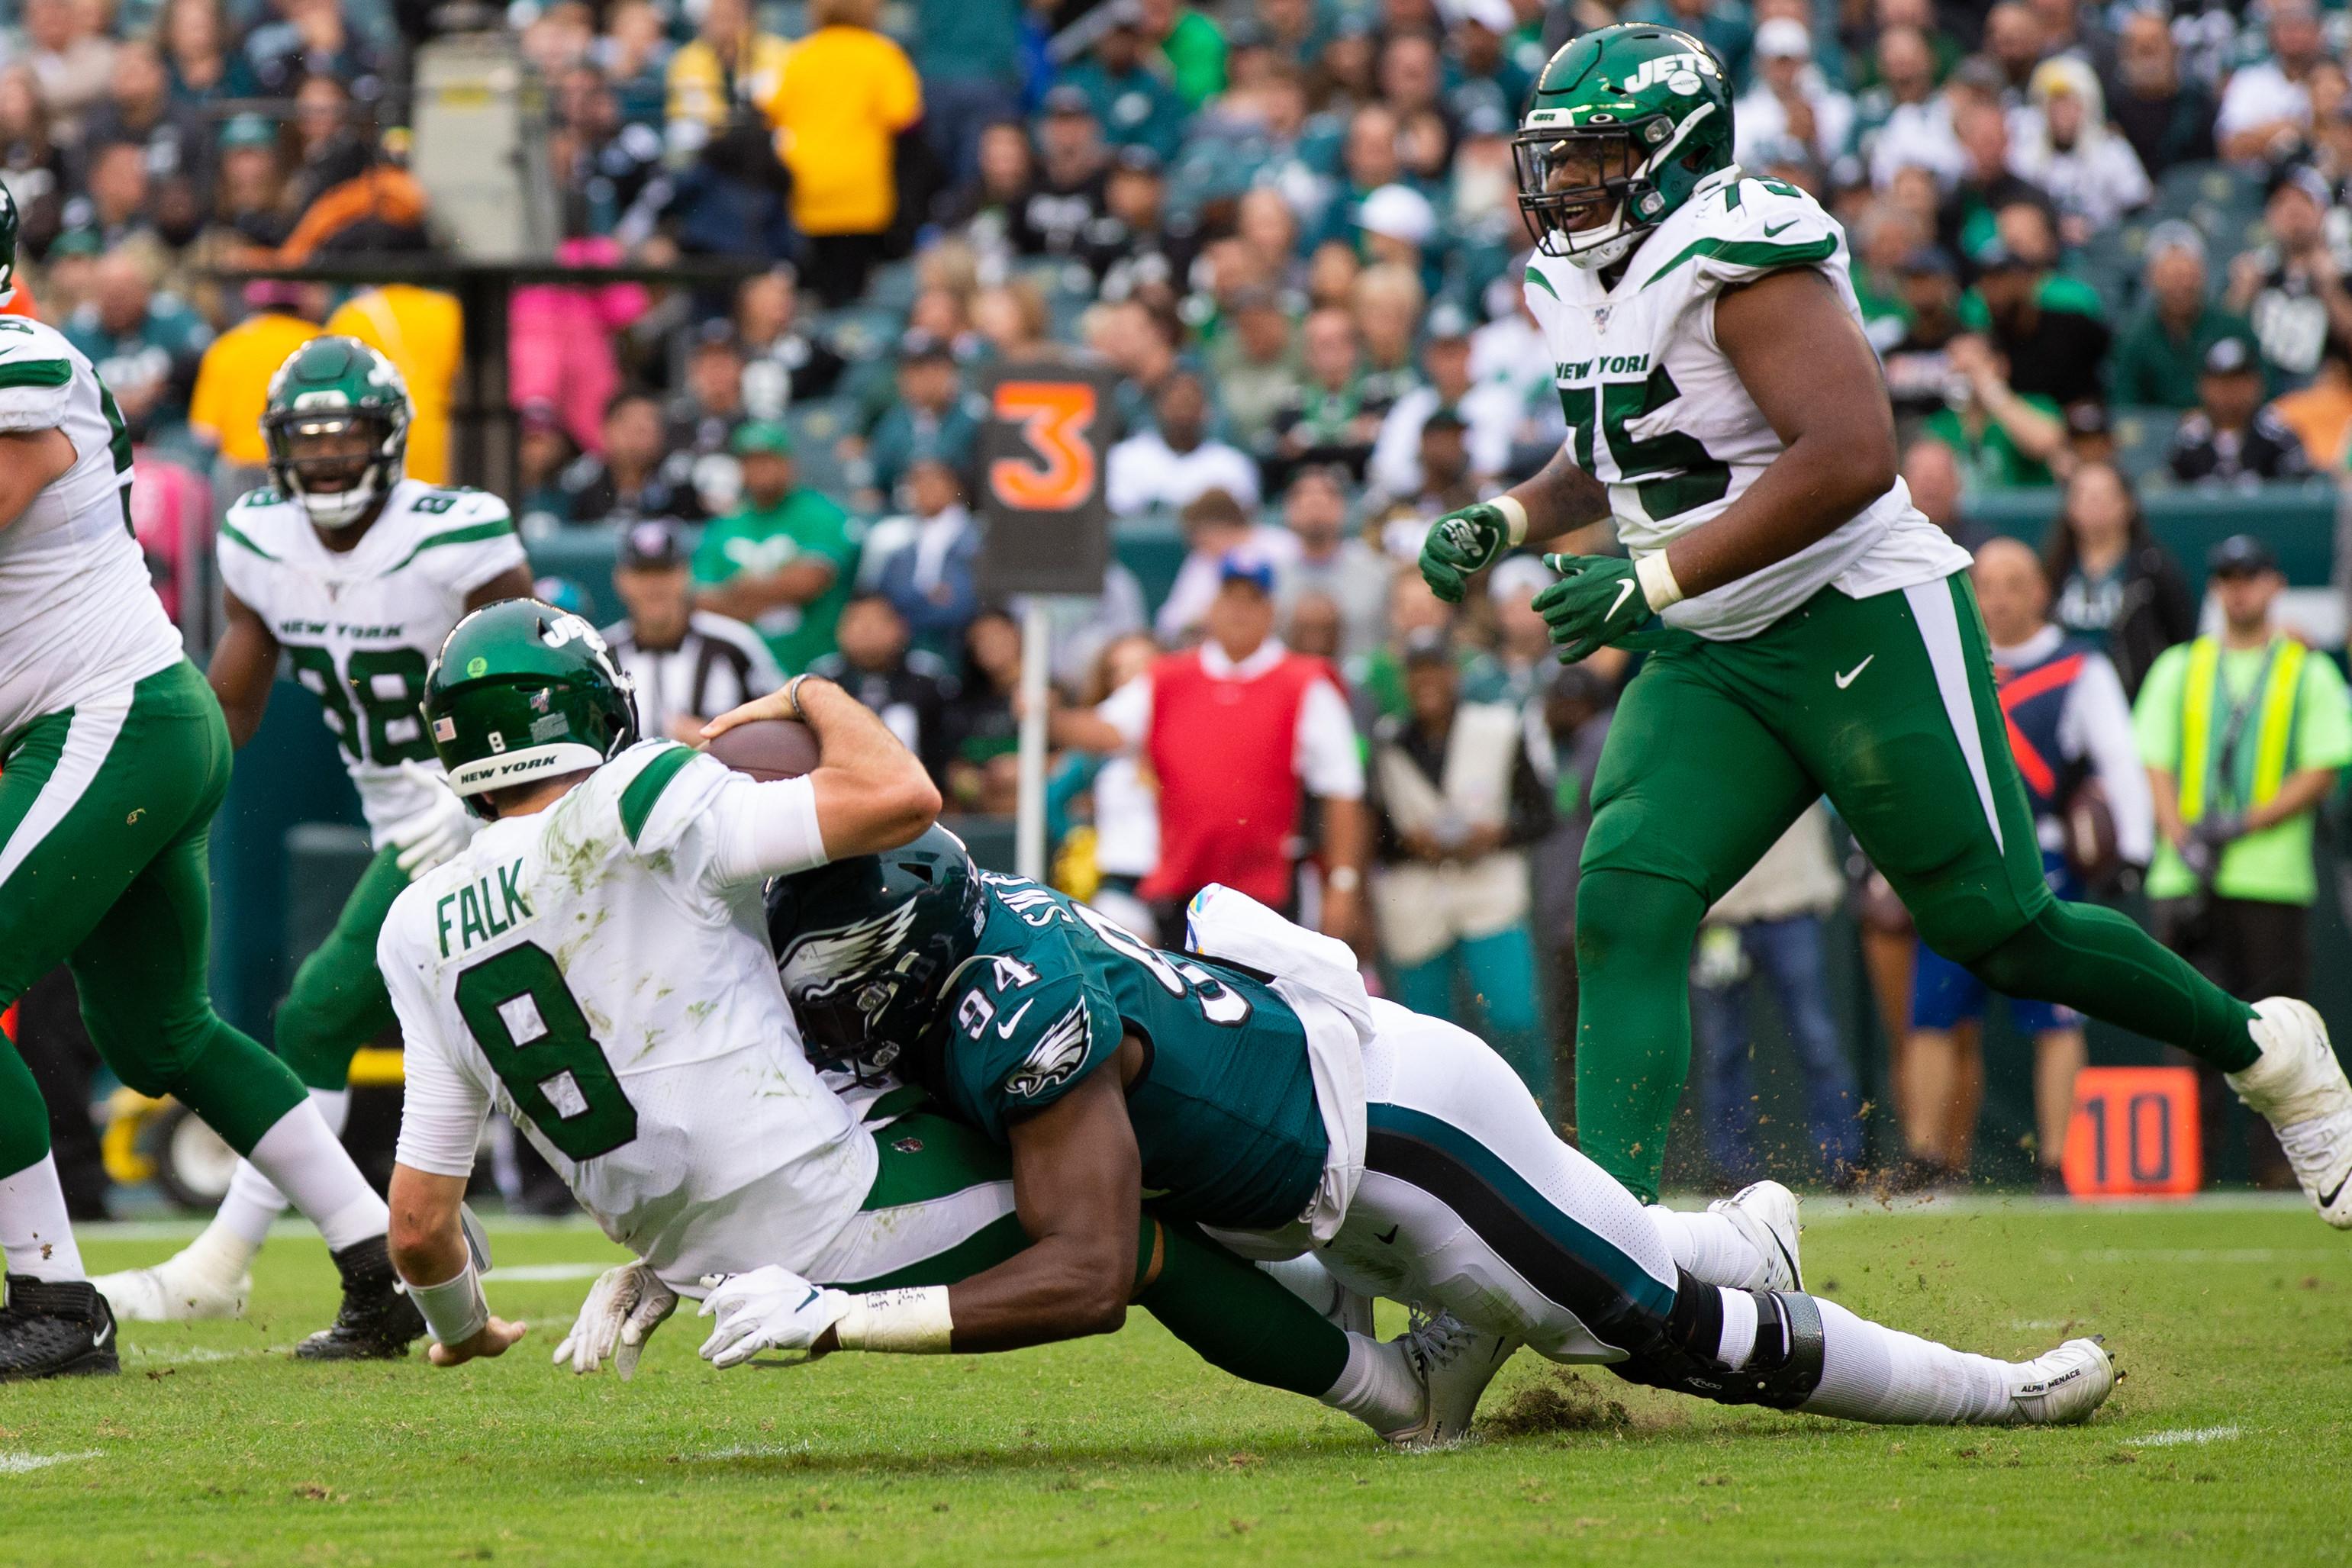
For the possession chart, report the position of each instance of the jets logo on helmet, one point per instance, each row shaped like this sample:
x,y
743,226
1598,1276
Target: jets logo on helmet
x,y
1622,126
336,426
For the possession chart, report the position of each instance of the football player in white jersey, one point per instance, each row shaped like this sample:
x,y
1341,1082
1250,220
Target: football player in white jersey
x,y
355,573
113,758
1810,632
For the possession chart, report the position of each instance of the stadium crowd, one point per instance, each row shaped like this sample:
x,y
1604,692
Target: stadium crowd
x,y
2099,250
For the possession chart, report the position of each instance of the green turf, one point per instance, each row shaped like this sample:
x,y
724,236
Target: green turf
x,y
2223,1445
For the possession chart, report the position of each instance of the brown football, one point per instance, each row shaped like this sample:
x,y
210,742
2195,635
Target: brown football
x,y
768,749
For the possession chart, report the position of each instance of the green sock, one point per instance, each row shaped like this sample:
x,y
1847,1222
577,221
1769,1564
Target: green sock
x,y
2099,962
1634,935
23,1116
1238,1319
240,1090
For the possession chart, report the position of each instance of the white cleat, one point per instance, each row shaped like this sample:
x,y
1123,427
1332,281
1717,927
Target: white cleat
x,y
1765,1212
1454,1363
175,1290
2064,1386
2299,1086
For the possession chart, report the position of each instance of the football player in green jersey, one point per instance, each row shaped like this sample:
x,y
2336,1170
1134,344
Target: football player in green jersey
x,y
1810,632
1252,1082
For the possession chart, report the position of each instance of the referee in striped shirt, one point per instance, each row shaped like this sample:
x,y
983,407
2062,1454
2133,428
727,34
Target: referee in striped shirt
x,y
689,665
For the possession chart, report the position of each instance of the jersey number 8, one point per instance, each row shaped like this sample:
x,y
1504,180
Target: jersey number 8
x,y
538,1042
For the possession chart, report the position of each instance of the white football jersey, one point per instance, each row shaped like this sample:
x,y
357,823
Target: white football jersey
x,y
1656,411
588,969
361,626
79,615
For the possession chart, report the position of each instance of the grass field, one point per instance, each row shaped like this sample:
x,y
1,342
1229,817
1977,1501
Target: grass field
x,y
2222,1447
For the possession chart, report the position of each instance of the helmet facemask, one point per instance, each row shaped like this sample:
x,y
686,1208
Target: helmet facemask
x,y
335,463
1569,173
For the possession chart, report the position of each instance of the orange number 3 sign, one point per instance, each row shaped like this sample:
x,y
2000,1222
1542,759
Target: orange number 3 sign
x,y
1054,417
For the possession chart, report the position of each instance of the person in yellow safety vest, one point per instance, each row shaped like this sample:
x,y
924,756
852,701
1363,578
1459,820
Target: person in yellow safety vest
x,y
2243,735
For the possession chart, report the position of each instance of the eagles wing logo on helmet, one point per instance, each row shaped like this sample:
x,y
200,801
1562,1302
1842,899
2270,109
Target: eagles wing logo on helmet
x,y
1055,1059
824,961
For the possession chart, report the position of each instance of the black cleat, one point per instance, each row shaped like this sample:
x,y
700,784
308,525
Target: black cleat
x,y
56,1330
377,1320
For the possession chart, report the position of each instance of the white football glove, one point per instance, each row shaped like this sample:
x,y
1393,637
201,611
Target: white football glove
x,y
767,1309
624,1306
435,833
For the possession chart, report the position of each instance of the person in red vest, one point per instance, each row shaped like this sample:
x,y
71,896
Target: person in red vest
x,y
1237,732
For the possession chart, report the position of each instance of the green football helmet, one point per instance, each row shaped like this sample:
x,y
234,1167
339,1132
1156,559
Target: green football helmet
x,y
523,691
8,245
865,946
1635,115
336,426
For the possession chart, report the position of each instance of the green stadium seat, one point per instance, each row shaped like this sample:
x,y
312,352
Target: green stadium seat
x,y
2142,437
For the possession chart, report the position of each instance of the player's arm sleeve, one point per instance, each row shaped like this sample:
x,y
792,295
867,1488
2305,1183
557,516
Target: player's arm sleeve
x,y
1329,759
1017,1047
2101,717
760,829
35,382
442,1108
472,542
717,829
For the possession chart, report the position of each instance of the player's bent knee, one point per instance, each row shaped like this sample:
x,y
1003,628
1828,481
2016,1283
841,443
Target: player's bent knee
x,y
1624,916
2018,963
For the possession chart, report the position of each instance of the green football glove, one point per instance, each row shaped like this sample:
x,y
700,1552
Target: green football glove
x,y
1597,600
1461,543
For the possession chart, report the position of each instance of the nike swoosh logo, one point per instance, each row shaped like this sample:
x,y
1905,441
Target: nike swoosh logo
x,y
813,1295
1005,1031
1624,589
2327,1199
1772,230
98,1341
1848,678
1391,1236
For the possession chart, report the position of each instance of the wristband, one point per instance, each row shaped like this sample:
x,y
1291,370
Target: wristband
x,y
454,1310
1657,581
912,1320
1515,518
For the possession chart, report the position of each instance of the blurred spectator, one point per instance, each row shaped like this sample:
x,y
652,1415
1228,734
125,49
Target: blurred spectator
x,y
1984,181
1135,105
421,332
2091,173
847,93
2117,587
909,689
67,49
1918,366
1136,248
1329,417
983,736
1790,99
783,360
702,417
1216,525
2266,109
1066,195
2013,44
1394,468
113,212
1772,923
1515,667
1190,43
146,346
2243,734
1720,25
728,68
923,562
2070,728
629,476
542,454
1904,122
2320,414
2004,439
347,199
2291,289
2167,118
1236,731
2162,351
1014,323
1169,465
1254,364
1458,791
1125,803
2045,324
1345,571
232,380
781,560
138,109
249,208
1576,709
32,166
2232,436
934,417
967,54
309,41
688,665
560,345
197,54
609,168
1931,472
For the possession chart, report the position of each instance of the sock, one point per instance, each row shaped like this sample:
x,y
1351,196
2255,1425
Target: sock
x,y
1306,1278
1377,1385
2101,963
252,1204
1873,1373
302,1159
1709,1246
1240,1320
1738,1341
1634,935
34,1230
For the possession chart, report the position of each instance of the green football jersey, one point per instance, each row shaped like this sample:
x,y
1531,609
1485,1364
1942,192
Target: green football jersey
x,y
1225,1110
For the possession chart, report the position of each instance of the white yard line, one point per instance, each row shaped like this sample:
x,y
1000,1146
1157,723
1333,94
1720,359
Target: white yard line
x,y
1825,1210
531,1273
2190,1254
2181,1435
17,1463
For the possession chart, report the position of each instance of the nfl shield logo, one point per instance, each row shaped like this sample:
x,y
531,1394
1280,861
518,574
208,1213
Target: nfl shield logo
x,y
1601,316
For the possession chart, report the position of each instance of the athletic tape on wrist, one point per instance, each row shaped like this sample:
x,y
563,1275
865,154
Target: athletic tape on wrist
x,y
1515,518
912,1320
454,1310
1657,581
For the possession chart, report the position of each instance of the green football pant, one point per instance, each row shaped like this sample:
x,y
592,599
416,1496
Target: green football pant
x,y
338,1002
105,809
941,1211
1888,706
